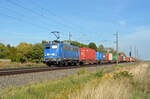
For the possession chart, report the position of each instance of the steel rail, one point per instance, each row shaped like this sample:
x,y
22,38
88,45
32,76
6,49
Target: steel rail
x,y
14,71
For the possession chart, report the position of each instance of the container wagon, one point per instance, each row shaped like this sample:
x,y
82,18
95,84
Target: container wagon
x,y
123,58
119,58
87,56
106,58
99,58
110,57
126,59
114,59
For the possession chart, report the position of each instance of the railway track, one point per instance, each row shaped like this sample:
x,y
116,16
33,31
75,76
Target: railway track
x,y
6,72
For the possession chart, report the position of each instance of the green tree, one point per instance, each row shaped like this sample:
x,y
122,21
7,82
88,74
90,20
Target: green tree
x,y
78,44
92,45
122,53
8,46
43,41
75,43
26,51
101,48
37,52
12,52
112,50
3,51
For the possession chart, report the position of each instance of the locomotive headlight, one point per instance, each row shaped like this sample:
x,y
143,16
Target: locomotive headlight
x,y
54,47
53,54
48,54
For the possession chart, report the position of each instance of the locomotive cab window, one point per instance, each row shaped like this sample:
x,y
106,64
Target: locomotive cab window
x,y
47,47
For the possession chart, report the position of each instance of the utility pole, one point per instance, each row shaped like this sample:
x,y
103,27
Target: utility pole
x,y
70,37
135,51
117,45
130,53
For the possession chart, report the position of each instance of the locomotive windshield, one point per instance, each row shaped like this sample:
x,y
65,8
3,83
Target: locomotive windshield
x,y
50,46
47,47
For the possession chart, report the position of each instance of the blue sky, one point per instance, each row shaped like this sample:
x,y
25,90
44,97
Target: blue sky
x,y
88,20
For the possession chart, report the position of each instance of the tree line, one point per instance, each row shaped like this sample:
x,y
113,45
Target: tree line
x,y
92,45
25,52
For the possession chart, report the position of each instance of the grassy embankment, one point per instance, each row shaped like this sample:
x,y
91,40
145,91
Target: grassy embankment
x,y
121,82
7,65
126,83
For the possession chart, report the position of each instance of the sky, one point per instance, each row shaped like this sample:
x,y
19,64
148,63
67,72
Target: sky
x,y
96,21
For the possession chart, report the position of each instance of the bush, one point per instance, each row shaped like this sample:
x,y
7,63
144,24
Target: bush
x,y
36,61
122,74
99,73
116,67
19,58
23,59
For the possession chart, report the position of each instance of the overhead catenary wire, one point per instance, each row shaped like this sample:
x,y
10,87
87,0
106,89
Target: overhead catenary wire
x,y
64,22
27,17
52,13
19,19
36,13
43,16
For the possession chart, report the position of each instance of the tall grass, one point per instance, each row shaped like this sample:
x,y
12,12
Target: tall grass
x,y
58,89
129,84
123,83
6,65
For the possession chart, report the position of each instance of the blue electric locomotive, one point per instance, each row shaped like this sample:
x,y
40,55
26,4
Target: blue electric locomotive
x,y
57,53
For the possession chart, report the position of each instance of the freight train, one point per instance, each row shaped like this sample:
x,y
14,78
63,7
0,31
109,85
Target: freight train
x,y
61,54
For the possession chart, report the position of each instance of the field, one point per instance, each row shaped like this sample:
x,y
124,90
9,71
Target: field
x,y
130,81
7,65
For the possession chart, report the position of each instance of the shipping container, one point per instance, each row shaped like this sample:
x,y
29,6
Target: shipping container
x,y
114,57
107,57
99,56
126,59
86,54
122,58
110,56
119,58
132,59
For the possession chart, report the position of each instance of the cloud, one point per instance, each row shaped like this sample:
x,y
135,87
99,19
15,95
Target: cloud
x,y
141,39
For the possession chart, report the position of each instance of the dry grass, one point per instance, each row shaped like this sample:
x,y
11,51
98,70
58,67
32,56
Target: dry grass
x,y
4,65
109,89
95,85
124,88
140,71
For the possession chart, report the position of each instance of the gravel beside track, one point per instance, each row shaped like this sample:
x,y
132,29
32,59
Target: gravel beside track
x,y
23,79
